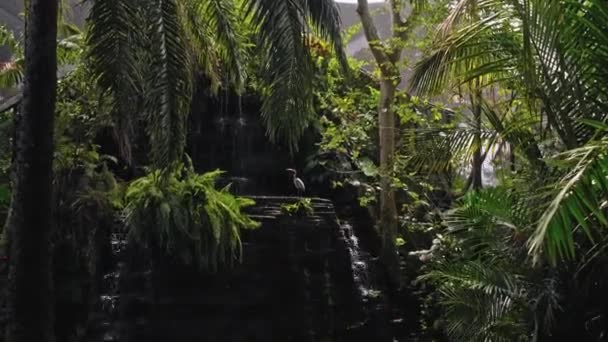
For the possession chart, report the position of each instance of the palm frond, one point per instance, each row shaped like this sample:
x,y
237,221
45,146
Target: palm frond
x,y
214,25
579,202
203,48
441,149
481,302
113,26
325,18
170,85
494,219
569,63
289,69
482,50
520,43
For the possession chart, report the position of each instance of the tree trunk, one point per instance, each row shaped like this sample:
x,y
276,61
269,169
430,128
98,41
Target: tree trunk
x,y
477,163
388,207
30,278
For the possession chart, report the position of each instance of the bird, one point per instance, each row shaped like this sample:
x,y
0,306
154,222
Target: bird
x,y
297,182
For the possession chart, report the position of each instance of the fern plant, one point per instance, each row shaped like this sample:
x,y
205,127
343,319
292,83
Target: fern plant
x,y
181,213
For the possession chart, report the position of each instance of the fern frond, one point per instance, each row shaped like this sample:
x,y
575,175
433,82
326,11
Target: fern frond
x,y
182,213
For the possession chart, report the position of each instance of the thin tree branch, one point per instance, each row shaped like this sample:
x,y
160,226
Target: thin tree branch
x,y
373,38
402,28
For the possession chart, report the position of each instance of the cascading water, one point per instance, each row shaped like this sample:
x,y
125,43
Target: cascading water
x,y
378,318
106,325
359,262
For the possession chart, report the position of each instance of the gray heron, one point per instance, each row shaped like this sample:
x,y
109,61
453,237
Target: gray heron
x,y
297,182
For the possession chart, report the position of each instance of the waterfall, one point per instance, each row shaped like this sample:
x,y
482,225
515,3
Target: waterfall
x,y
359,262
108,308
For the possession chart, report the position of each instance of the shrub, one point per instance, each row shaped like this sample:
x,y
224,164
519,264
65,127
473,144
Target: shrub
x,y
181,213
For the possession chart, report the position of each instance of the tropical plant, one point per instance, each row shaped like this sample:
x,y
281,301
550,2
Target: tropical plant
x,y
530,47
387,55
11,72
181,213
147,54
547,57
485,287
69,49
302,206
577,201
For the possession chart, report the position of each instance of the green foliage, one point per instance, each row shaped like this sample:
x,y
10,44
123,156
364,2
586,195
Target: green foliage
x,y
348,146
138,54
69,49
302,206
288,70
149,53
11,72
482,277
530,46
579,198
545,54
182,213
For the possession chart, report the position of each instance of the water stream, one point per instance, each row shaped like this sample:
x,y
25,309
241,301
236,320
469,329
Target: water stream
x,y
359,262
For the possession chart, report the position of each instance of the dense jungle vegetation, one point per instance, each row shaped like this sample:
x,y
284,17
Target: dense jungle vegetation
x,y
474,133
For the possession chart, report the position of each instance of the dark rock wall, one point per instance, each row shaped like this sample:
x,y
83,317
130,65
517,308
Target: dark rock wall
x,y
227,133
295,284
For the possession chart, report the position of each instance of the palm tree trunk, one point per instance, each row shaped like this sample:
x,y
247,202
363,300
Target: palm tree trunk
x,y
388,207
476,167
477,163
30,296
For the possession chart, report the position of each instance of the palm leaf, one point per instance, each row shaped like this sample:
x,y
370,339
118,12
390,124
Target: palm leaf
x,y
215,27
578,199
289,69
170,88
112,41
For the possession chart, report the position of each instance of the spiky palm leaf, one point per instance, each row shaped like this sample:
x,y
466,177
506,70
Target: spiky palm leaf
x,y
111,42
553,51
284,29
481,301
578,202
440,149
213,31
495,219
205,31
517,42
485,289
170,84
